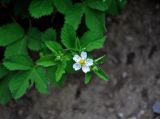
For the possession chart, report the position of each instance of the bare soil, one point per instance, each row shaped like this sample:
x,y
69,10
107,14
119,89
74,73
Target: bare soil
x,y
133,64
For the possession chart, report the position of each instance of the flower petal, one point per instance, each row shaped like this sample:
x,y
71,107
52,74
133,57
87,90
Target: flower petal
x,y
84,55
76,58
76,66
85,69
89,62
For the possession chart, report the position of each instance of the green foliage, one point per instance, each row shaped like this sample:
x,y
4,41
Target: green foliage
x,y
3,71
101,74
68,36
18,62
39,8
34,41
5,94
38,55
10,33
92,40
19,84
88,77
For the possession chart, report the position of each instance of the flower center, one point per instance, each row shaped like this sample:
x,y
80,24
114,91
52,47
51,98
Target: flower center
x,y
82,62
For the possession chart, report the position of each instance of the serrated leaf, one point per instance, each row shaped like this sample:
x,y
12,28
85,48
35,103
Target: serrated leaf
x,y
54,47
47,61
5,94
49,35
17,48
101,74
38,76
18,62
92,40
34,39
60,71
39,8
74,15
95,20
88,77
10,33
98,4
19,84
63,6
68,36
3,71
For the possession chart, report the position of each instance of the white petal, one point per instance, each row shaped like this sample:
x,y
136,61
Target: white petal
x,y
76,66
89,62
76,58
84,55
85,69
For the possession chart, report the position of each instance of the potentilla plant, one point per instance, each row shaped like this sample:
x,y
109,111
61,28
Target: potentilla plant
x,y
41,48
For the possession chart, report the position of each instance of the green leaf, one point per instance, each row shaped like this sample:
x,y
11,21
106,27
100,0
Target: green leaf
x,y
39,8
88,77
101,74
37,75
92,40
5,94
19,84
18,62
47,61
98,4
95,20
34,39
68,36
3,71
17,48
100,60
116,6
122,3
63,6
10,33
54,47
49,35
52,77
74,15
60,71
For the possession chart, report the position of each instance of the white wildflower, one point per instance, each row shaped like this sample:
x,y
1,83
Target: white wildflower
x,y
82,62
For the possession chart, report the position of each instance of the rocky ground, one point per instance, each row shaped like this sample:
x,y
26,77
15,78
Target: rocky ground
x,y
133,49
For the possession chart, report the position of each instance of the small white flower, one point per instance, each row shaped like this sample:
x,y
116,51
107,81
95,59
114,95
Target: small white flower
x,y
82,62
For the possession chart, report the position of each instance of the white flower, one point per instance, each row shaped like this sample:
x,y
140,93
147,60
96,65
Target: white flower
x,y
82,62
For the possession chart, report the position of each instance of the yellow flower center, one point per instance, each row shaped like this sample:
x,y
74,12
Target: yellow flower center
x,y
82,62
